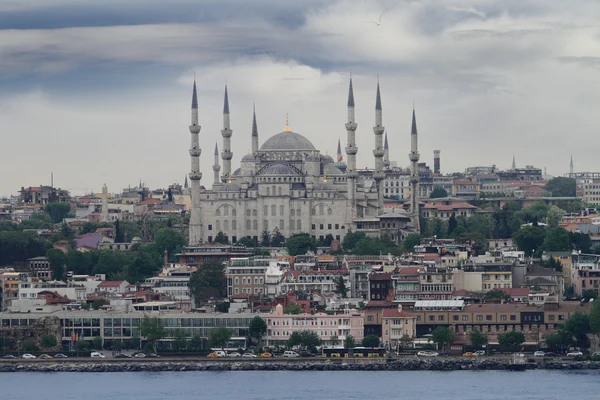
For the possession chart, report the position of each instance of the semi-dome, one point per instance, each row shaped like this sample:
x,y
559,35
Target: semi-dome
x,y
237,172
287,141
313,157
279,170
248,158
229,187
327,159
331,170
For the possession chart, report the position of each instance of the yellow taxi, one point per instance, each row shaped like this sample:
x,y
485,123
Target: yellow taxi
x,y
266,355
214,355
469,354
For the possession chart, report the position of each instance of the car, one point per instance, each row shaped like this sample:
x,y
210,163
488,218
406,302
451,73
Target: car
x,y
266,355
539,354
28,356
60,355
574,354
10,356
480,353
550,354
214,355
152,355
249,355
427,354
234,354
290,354
97,354
469,354
122,355
596,354
138,355
45,357
305,353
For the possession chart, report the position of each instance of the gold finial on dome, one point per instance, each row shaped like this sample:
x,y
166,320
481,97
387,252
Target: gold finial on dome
x,y
287,126
324,177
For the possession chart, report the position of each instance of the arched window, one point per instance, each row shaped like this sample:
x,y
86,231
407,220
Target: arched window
x,y
218,226
218,212
226,211
248,213
292,212
292,224
273,189
298,225
281,210
281,225
255,225
329,211
268,191
234,225
254,213
279,191
298,213
233,212
314,211
321,209
248,225
266,210
266,225
225,225
273,210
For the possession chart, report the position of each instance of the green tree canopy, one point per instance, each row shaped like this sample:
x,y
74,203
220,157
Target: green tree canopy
x,y
208,282
257,328
349,342
180,340
442,336
411,240
153,330
58,262
594,317
247,241
438,192
557,239
578,326
219,337
562,187
196,343
48,341
17,247
305,339
293,308
170,240
300,243
529,239
478,338
557,339
58,211
496,295
221,238
351,239
277,239
371,341
340,286
511,338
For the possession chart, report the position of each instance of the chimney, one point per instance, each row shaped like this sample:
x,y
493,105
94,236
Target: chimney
x,y
166,258
399,308
436,161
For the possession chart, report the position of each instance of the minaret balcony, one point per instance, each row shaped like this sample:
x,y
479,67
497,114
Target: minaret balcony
x,y
378,153
414,157
378,130
226,133
195,176
226,155
195,128
378,175
351,150
195,152
351,126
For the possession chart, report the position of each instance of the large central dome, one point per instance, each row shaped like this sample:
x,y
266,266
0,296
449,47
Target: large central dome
x,y
287,141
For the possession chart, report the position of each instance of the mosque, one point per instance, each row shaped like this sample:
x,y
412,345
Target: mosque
x,y
288,185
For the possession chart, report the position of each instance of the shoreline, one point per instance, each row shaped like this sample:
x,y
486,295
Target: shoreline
x,y
279,365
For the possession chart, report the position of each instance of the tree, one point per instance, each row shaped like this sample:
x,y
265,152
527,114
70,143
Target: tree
x,y
58,211
292,309
411,240
208,282
305,339
219,337
589,294
578,326
452,224
340,286
29,346
196,343
557,339
438,192
58,261
277,239
82,345
511,339
48,341
300,243
581,241
180,341
170,240
478,338
562,187
153,330
529,239
371,341
406,341
119,234
265,239
557,239
594,317
496,295
257,328
98,303
349,342
247,241
295,339
554,216
97,343
442,336
221,238
351,239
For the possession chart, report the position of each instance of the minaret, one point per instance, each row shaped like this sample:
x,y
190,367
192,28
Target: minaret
x,y
195,235
185,185
514,164
436,161
104,215
254,131
351,151
386,153
226,132
571,166
379,152
216,166
340,157
414,173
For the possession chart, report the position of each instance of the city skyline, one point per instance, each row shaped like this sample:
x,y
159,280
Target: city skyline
x,y
489,81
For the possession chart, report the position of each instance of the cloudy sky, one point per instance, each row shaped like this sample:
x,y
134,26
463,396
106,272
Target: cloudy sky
x,y
100,91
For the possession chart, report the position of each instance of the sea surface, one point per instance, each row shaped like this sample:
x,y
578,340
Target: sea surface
x,y
292,385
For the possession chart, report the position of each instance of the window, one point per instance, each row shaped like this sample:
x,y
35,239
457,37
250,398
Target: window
x,y
255,225
292,212
266,225
465,317
513,317
480,318
266,210
281,225
218,226
281,211
273,189
218,213
226,211
210,227
328,226
279,191
455,318
503,318
321,226
254,213
248,213
233,225
273,210
321,209
314,227
337,226
432,317
292,224
298,225
225,225
298,212
488,317
233,212
440,317
248,224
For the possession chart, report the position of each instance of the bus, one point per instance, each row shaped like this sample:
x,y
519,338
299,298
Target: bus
x,y
357,352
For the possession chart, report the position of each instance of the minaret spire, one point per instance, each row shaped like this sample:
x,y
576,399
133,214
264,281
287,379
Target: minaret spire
x,y
254,131
571,166
216,166
195,234
514,164
226,132
414,173
351,150
386,152
379,152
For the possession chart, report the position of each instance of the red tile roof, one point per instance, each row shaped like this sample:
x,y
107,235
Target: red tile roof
x,y
410,270
110,283
515,292
379,304
380,276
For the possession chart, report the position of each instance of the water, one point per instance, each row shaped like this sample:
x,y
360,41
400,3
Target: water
x,y
286,385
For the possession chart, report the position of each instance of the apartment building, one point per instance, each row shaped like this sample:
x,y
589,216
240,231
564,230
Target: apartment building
x,y
397,324
312,281
247,275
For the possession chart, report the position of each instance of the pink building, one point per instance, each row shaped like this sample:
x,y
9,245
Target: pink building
x,y
332,329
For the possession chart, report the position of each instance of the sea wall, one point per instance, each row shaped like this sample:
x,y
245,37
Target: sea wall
x,y
316,365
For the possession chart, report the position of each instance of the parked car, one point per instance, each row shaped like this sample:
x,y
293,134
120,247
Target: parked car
x,y
97,354
290,354
249,355
574,354
10,356
234,354
550,354
45,357
305,353
480,353
427,354
60,355
122,355
539,354
152,355
266,355
444,353
596,354
28,356
469,354
214,355
138,355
